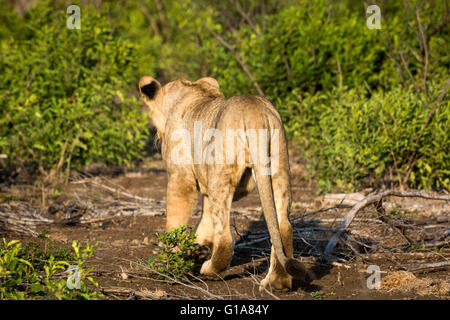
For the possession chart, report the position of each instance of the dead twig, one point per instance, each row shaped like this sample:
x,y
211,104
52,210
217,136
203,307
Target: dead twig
x,y
430,267
371,199
131,292
123,193
187,284
249,243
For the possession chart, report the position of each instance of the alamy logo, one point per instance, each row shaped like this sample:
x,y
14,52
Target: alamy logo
x,y
374,20
233,146
74,20
74,278
374,280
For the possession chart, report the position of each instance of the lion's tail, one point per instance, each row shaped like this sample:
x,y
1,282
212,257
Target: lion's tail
x,y
264,185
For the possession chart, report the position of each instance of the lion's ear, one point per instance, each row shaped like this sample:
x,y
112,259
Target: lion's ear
x,y
149,87
209,81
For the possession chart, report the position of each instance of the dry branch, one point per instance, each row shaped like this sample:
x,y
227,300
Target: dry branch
x,y
22,220
249,243
343,198
429,267
187,284
371,199
126,194
132,293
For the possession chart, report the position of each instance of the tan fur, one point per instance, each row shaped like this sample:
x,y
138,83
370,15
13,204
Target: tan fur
x,y
179,104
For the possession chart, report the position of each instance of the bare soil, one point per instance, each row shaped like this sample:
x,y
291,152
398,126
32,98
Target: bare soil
x,y
126,235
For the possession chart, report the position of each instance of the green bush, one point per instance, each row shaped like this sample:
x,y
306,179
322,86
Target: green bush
x,y
22,278
314,46
351,139
172,263
308,50
65,94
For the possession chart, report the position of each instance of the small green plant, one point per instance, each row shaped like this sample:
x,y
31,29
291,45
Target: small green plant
x,y
419,247
316,295
172,261
35,274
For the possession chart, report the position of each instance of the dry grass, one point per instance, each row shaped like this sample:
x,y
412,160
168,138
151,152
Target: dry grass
x,y
407,281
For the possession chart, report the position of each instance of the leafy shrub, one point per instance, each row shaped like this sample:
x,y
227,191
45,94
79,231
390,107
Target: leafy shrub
x,y
21,278
311,47
172,261
307,49
350,138
65,94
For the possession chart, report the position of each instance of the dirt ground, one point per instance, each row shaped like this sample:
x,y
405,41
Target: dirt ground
x,y
124,227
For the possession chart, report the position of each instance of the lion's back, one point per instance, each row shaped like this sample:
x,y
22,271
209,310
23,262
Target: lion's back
x,y
247,111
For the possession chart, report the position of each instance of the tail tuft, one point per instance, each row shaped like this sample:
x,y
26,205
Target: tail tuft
x,y
296,269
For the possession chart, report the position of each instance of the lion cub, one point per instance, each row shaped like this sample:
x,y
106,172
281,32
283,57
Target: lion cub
x,y
222,148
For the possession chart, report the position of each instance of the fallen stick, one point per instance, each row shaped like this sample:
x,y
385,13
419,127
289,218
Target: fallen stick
x,y
21,222
126,194
253,249
343,198
428,267
437,244
130,292
316,220
310,229
371,199
248,243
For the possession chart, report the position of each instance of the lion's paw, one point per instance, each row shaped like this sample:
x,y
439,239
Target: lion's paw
x,y
210,272
273,282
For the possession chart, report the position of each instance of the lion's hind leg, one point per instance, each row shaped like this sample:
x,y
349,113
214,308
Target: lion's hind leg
x,y
277,277
218,204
